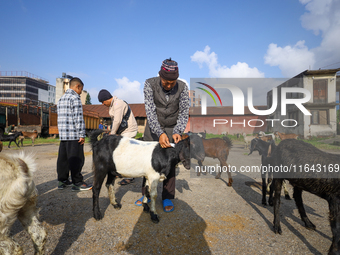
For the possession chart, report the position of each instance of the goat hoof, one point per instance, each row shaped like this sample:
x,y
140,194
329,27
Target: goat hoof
x,y
270,202
97,215
277,230
218,177
154,217
198,174
146,208
117,206
309,224
264,203
287,197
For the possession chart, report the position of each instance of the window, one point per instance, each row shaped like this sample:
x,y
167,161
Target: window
x,y
320,91
293,116
319,117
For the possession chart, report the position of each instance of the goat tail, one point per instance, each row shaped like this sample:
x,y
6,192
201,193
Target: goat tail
x,y
228,141
17,172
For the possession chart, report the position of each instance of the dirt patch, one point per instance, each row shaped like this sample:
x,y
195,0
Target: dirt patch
x,y
209,217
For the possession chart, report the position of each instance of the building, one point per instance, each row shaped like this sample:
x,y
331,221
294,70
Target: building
x,y
138,111
324,87
194,101
24,87
63,84
220,120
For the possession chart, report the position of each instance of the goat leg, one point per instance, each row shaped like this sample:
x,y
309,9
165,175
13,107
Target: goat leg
x,y
200,166
113,200
299,203
153,195
230,180
110,190
28,217
277,183
146,207
334,219
286,191
97,184
264,189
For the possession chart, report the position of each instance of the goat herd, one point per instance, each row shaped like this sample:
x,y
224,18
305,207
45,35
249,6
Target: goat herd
x,y
116,156
18,137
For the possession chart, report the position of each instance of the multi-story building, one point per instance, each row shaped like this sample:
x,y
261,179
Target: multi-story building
x,y
324,86
63,84
24,87
194,101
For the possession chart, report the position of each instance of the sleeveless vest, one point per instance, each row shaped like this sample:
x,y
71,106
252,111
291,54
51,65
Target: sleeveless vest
x,y
167,110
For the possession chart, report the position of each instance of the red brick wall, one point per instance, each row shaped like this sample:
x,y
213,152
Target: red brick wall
x,y
201,123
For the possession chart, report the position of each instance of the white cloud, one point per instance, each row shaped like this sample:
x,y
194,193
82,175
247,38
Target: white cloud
x,y
323,18
130,91
240,70
291,59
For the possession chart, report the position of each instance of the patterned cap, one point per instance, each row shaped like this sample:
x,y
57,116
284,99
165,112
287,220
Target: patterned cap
x,y
169,70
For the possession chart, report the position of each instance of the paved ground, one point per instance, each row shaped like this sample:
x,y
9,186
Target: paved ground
x,y
209,217
334,140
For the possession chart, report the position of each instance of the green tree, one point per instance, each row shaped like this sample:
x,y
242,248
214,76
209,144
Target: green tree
x,y
88,99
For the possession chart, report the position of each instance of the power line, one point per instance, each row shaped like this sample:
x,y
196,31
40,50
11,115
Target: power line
x,y
330,65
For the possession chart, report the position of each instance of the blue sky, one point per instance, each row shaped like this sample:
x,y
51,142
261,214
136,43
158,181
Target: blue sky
x,y
117,45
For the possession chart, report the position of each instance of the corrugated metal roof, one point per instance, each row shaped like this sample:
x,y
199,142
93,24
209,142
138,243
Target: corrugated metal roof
x,y
103,111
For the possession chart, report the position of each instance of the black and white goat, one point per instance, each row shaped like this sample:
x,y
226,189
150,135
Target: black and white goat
x,y
11,138
18,197
266,150
323,181
125,157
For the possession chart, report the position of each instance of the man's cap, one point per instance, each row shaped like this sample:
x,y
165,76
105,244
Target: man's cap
x,y
169,70
104,95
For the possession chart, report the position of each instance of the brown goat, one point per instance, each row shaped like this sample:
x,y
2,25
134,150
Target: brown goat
x,y
216,148
266,138
284,136
31,135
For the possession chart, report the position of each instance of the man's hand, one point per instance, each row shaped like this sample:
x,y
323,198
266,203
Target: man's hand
x,y
164,141
176,138
81,140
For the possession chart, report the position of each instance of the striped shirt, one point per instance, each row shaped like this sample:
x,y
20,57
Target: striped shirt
x,y
71,125
150,109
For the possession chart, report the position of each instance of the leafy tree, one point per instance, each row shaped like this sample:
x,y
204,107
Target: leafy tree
x,y
88,99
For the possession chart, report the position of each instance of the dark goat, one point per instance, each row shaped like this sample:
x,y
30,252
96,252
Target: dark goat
x,y
218,148
11,138
323,182
266,149
196,146
125,157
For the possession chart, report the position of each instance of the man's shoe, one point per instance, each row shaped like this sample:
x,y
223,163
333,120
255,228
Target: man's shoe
x,y
81,186
64,184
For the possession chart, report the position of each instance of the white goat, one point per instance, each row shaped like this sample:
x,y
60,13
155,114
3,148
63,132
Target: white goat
x,y
261,133
247,139
18,196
